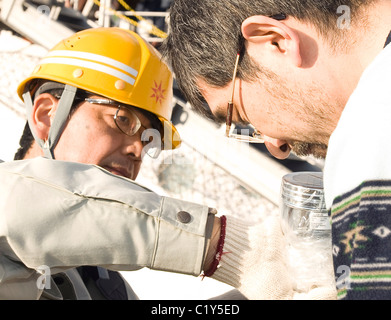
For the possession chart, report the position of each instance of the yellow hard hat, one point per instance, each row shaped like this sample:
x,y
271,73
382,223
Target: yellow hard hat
x,y
117,64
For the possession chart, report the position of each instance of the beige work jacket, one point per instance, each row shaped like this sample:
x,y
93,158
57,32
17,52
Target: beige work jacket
x,y
57,215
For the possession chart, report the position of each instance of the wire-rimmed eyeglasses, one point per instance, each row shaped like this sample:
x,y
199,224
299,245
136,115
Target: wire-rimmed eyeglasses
x,y
129,123
124,118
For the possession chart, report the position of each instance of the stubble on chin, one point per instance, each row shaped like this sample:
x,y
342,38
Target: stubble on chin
x,y
303,149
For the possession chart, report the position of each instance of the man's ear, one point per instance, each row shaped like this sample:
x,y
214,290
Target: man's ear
x,y
275,37
44,109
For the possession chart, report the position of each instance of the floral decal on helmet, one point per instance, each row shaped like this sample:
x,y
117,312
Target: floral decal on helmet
x,y
158,92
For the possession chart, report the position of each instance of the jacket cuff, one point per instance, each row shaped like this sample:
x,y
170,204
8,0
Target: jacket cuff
x,y
182,233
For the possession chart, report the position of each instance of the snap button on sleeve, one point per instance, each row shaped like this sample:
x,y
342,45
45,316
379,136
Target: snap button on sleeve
x,y
183,217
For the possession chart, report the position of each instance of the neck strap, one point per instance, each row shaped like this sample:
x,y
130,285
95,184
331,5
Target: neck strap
x,y
59,121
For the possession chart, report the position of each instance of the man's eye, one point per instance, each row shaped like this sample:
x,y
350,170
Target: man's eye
x,y
124,120
239,121
127,121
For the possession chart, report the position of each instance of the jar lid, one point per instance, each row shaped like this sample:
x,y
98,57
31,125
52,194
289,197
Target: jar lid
x,y
303,190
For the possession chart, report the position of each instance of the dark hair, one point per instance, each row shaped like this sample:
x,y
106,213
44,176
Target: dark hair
x,y
56,89
25,143
204,37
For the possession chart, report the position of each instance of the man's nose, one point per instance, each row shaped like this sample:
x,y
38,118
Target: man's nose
x,y
133,146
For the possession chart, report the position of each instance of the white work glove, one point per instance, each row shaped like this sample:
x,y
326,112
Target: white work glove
x,y
255,262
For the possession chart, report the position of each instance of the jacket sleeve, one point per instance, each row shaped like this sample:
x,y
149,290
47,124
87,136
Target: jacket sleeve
x,y
61,215
361,241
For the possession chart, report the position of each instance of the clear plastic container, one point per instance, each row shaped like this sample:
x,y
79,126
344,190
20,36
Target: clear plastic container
x,y
306,224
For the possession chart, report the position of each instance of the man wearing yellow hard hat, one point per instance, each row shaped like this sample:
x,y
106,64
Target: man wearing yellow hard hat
x,y
97,102
108,62
71,215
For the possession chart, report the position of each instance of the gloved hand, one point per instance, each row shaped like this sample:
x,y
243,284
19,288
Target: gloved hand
x,y
254,261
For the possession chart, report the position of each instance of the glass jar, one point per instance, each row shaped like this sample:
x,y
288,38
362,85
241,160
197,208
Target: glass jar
x,y
307,228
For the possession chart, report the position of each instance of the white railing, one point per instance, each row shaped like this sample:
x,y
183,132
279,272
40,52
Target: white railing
x,y
144,26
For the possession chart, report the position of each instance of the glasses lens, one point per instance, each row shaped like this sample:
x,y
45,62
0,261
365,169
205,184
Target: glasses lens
x,y
127,121
152,141
248,134
246,138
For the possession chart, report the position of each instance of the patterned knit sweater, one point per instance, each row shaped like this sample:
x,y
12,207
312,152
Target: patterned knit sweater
x,y
357,181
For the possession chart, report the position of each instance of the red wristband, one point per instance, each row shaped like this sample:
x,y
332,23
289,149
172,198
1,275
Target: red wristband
x,y
219,251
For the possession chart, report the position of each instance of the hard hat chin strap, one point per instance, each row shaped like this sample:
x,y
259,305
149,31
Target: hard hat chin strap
x,y
59,120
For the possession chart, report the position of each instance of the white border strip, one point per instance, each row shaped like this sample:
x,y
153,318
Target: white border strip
x,y
94,58
90,65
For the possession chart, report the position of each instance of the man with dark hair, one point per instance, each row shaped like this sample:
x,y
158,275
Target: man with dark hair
x,y
312,77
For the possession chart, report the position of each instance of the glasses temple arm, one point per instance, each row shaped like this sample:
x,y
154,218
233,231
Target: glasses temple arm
x,y
230,103
234,76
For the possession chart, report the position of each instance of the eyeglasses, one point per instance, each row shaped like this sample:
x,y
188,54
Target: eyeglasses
x,y
129,123
256,136
124,118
